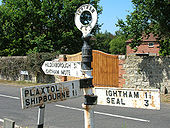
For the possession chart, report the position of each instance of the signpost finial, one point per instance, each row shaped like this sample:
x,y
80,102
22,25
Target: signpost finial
x,y
88,15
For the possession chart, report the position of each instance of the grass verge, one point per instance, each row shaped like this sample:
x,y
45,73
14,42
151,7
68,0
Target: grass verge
x,y
18,83
165,98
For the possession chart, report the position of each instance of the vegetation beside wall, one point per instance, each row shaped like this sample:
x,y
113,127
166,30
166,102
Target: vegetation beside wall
x,y
11,67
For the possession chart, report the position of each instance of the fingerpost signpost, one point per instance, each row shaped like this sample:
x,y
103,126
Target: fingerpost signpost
x,y
43,94
90,99
122,97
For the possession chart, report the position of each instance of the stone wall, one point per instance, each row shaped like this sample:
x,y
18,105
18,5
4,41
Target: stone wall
x,y
147,72
11,68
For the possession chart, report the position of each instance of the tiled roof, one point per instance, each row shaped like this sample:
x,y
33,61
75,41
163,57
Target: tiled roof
x,y
146,38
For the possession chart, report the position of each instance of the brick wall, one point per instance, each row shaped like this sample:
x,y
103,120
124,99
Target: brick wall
x,y
122,71
144,48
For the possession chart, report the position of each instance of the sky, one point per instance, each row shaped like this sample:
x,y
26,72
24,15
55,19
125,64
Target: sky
x,y
112,11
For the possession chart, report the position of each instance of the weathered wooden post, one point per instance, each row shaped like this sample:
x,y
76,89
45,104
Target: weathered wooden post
x,y
90,98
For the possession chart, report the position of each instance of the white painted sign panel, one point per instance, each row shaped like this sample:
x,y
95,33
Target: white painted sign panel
x,y
24,72
128,97
85,29
42,94
64,68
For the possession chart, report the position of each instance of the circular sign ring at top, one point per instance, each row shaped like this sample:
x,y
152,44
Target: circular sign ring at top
x,y
86,29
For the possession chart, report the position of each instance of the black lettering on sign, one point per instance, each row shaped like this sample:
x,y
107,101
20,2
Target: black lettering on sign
x,y
27,102
122,102
42,90
32,100
108,100
52,89
130,95
75,65
40,99
65,72
56,88
48,89
118,101
26,93
92,10
124,93
63,95
32,92
44,98
87,6
136,94
110,93
37,91
54,96
36,100
120,92
72,85
115,93
49,97
58,95
81,27
146,95
113,100
73,92
146,103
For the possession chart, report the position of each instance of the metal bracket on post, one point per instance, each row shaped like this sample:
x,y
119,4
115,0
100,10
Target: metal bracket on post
x,y
86,83
90,100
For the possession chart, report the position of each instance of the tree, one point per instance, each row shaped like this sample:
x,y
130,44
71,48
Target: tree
x,y
149,16
101,41
40,26
118,45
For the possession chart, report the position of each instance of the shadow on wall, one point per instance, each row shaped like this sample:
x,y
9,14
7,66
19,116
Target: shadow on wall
x,y
155,70
43,78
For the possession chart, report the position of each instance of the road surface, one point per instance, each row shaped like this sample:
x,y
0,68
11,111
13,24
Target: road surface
x,y
69,114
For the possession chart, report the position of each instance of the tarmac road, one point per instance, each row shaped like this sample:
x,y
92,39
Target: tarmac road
x,y
69,113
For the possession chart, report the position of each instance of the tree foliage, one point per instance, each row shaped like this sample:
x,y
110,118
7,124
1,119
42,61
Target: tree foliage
x,y
101,41
118,45
40,26
149,16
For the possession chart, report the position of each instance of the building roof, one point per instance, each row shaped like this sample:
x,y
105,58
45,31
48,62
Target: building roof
x,y
146,38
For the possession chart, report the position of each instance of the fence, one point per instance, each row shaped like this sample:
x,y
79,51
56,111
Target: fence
x,y
105,68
